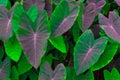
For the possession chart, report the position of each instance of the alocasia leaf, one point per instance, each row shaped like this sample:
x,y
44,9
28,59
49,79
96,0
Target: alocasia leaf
x,y
5,69
23,65
71,75
46,73
14,75
104,59
114,75
118,2
39,3
63,17
4,2
91,10
5,22
87,51
111,25
33,37
58,43
13,48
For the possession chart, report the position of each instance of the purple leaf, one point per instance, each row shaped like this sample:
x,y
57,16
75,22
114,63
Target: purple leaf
x,y
39,3
5,70
88,16
91,10
33,37
118,2
46,73
111,25
62,23
5,22
87,51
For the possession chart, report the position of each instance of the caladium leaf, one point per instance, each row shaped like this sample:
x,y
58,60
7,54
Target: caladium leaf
x,y
118,2
104,58
59,43
87,51
33,37
46,73
39,3
13,48
111,25
88,76
5,69
63,17
5,22
91,10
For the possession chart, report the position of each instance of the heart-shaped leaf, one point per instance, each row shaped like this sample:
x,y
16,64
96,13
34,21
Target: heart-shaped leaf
x,y
111,25
33,37
5,69
39,3
87,51
91,10
13,48
63,17
104,58
46,73
5,22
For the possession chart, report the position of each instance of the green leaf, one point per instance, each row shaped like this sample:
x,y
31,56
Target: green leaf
x,y
1,52
106,57
13,48
88,76
114,75
33,13
63,17
14,75
71,75
107,75
59,43
18,11
4,2
23,65
87,51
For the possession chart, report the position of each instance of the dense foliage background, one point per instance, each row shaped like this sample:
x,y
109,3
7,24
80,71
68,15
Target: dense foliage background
x,y
59,39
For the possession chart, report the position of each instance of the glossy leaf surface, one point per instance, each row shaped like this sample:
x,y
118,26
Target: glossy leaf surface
x,y
46,73
87,51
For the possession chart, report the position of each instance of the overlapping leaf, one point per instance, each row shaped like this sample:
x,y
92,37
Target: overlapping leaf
x,y
33,37
5,69
59,43
113,75
87,51
111,25
91,10
106,57
63,17
5,22
4,2
46,73
39,3
13,48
